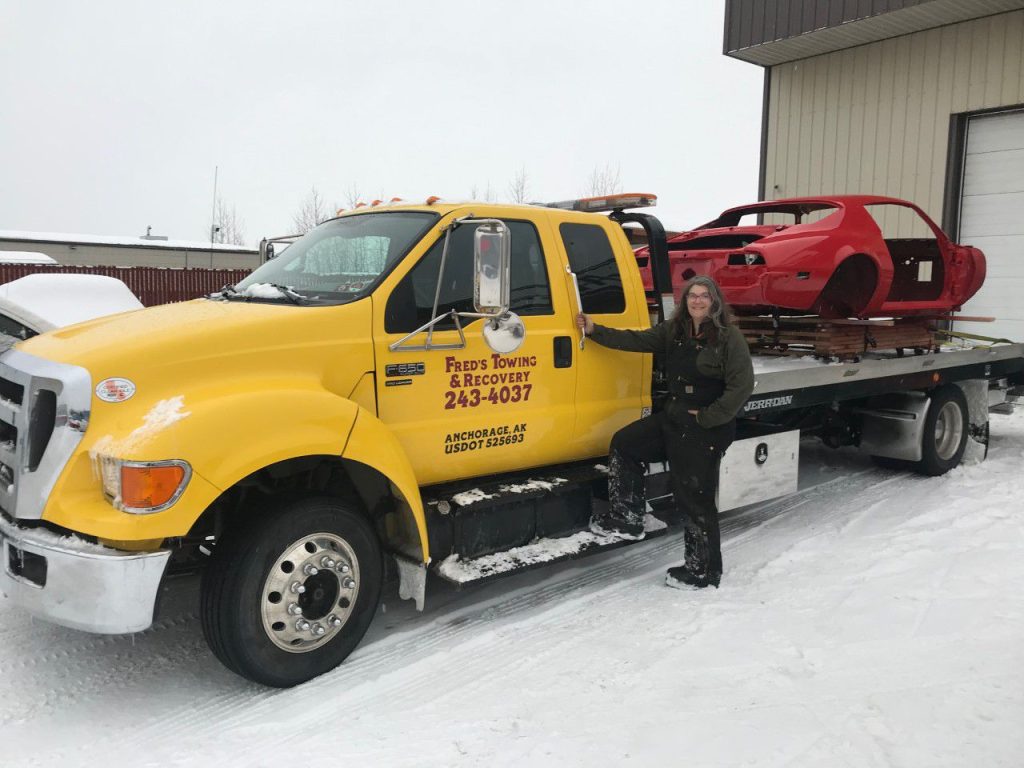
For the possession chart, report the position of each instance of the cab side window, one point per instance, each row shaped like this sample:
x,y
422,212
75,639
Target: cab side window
x,y
411,303
592,259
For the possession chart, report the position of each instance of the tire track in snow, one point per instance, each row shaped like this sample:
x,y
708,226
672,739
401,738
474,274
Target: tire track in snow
x,y
375,672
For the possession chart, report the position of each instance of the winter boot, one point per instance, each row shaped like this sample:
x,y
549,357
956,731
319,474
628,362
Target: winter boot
x,y
681,577
694,572
624,516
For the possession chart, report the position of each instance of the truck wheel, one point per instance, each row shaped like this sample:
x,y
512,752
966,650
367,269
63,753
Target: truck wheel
x,y
945,431
288,596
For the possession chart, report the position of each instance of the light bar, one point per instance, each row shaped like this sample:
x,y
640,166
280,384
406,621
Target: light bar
x,y
607,202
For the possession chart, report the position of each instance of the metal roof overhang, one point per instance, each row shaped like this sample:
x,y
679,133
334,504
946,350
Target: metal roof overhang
x,y
849,34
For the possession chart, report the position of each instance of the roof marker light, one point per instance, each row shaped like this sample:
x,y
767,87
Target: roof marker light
x,y
608,202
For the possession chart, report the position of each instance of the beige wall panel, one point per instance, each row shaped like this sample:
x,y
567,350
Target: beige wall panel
x,y
831,115
1012,61
930,129
875,119
843,89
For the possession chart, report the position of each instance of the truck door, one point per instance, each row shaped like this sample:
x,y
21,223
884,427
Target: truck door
x,y
466,412
614,387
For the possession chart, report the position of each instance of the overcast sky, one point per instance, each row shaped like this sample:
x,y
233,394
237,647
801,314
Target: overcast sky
x,y
115,114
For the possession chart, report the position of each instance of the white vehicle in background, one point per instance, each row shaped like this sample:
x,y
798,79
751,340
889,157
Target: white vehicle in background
x,y
38,303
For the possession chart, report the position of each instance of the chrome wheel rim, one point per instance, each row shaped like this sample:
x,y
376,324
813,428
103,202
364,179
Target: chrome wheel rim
x,y
310,592
949,429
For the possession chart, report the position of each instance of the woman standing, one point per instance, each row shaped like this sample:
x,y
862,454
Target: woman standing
x,y
709,376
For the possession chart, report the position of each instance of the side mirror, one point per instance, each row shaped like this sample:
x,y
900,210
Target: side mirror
x,y
492,245
504,334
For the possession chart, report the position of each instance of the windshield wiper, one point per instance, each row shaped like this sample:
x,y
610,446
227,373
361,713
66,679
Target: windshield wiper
x,y
290,293
225,292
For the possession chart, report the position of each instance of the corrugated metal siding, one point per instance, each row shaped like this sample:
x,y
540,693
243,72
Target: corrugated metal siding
x,y
875,119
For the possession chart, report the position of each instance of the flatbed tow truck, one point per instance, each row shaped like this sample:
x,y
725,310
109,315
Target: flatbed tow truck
x,y
404,384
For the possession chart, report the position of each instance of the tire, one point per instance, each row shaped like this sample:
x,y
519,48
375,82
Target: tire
x,y
289,596
945,431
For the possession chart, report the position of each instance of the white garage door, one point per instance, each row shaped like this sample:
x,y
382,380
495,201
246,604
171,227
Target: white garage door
x,y
992,219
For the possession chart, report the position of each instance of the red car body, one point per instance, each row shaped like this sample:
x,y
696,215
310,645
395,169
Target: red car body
x,y
830,259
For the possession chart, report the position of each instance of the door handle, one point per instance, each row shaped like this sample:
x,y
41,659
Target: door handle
x,y
563,351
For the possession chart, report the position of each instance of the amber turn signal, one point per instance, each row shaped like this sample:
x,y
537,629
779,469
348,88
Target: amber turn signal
x,y
148,487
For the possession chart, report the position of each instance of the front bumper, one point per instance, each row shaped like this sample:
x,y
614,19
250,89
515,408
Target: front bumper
x,y
72,582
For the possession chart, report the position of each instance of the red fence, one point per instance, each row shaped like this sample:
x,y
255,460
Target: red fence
x,y
152,285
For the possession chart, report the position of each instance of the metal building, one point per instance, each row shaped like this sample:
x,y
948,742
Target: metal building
x,y
918,99
99,250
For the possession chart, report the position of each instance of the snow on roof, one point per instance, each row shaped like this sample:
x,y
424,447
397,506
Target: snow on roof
x,y
136,242
25,257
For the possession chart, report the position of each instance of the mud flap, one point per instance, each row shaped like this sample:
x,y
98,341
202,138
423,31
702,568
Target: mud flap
x,y
976,392
412,581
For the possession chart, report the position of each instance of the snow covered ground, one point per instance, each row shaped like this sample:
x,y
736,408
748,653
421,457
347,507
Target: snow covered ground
x,y
872,619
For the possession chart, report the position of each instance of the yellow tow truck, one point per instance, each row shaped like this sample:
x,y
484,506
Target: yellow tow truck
x,y
289,432
404,383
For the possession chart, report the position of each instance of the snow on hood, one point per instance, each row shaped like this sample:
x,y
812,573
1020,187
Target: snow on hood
x,y
158,418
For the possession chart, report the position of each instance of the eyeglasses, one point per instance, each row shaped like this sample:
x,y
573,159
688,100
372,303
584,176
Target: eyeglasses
x,y
698,296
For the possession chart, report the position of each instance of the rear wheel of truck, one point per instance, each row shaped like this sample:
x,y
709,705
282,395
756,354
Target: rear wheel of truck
x,y
290,594
945,431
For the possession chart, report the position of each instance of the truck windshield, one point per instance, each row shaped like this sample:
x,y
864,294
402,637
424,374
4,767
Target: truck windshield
x,y
338,262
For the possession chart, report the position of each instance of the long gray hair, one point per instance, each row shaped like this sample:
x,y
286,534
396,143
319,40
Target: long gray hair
x,y
718,313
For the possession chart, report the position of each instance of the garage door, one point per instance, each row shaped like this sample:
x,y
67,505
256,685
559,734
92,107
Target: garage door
x,y
992,218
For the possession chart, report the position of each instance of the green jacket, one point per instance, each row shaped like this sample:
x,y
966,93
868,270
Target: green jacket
x,y
727,360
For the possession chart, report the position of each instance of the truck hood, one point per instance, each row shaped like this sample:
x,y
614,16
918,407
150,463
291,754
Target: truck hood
x,y
176,346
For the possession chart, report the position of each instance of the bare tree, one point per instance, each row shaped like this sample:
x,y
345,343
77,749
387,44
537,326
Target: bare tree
x,y
603,181
313,211
227,227
353,196
487,196
518,188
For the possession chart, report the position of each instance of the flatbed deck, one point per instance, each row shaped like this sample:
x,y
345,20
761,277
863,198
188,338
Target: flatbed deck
x,y
784,383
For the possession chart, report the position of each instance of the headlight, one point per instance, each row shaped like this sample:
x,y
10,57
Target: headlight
x,y
143,487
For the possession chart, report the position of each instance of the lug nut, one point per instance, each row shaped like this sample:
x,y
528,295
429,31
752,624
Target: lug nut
x,y
294,610
297,587
343,568
326,562
318,630
302,625
334,621
310,570
348,583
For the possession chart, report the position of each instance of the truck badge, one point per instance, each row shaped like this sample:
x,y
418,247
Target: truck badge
x,y
115,390
405,369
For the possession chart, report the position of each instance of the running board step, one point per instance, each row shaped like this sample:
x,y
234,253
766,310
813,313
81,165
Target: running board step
x,y
537,553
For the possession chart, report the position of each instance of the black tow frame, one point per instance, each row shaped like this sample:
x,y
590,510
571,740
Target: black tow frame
x,y
658,249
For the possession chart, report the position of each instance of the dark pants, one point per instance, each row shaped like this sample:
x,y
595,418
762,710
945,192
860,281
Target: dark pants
x,y
693,454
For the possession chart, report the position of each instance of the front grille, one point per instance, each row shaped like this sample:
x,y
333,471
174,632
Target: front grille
x,y
41,422
44,410
11,391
